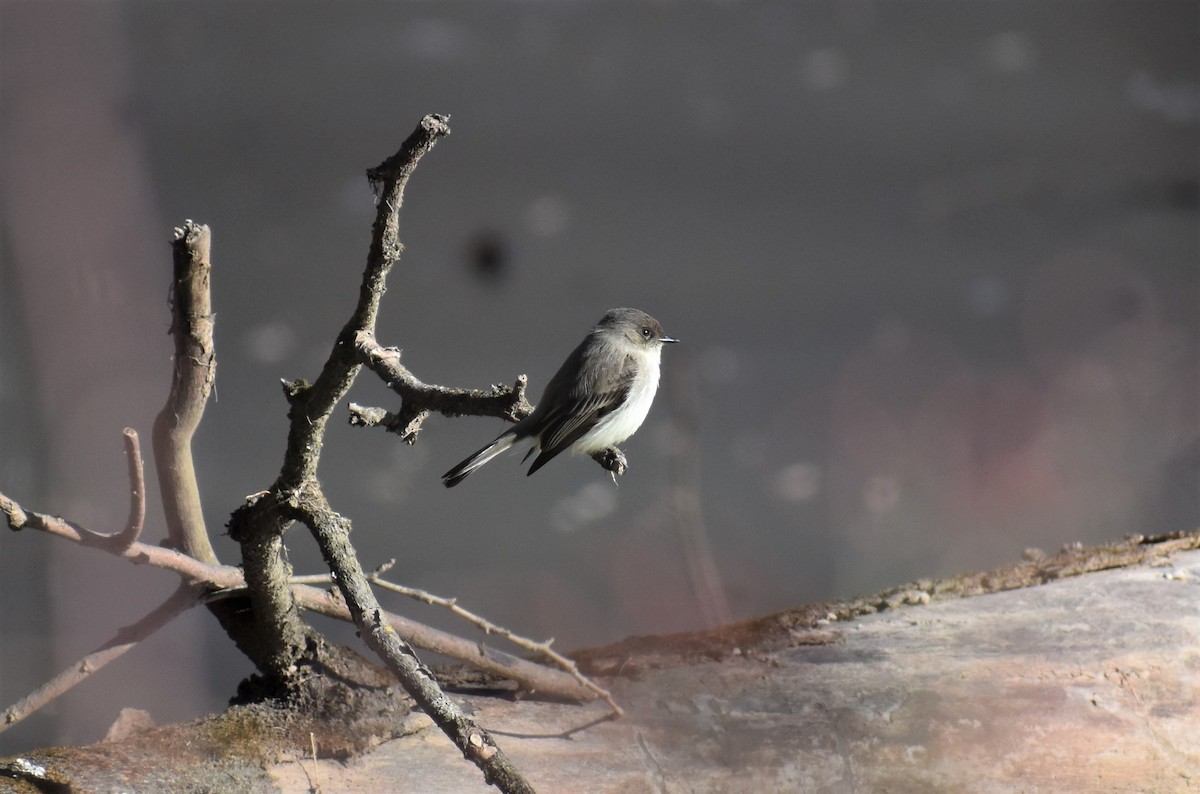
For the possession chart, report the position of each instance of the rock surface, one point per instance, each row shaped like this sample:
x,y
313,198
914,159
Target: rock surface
x,y
1088,684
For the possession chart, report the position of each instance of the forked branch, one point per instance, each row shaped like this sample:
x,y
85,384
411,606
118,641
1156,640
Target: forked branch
x,y
297,495
420,399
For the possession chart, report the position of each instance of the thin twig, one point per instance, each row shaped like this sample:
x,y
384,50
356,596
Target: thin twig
x,y
528,675
189,568
137,490
566,734
184,598
487,627
313,786
480,622
312,578
116,541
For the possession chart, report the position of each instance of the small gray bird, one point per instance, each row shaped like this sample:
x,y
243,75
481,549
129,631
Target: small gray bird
x,y
597,399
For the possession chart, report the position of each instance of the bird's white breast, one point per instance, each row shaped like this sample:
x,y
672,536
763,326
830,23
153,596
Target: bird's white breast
x,y
623,422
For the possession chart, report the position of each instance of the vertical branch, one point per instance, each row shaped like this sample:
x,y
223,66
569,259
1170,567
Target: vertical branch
x,y
137,489
258,524
277,635
296,495
192,378
119,541
312,407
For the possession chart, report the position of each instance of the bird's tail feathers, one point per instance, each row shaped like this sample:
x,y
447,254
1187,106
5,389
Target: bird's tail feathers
x,y
460,472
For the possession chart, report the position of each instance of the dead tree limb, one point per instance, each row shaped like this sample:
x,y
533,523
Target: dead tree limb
x,y
137,489
419,399
297,495
225,581
192,375
272,633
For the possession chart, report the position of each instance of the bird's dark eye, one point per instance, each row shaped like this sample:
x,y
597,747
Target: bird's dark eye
x,y
647,333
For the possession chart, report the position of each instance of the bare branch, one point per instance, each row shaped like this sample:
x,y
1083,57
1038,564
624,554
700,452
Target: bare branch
x,y
304,500
313,404
297,494
137,489
364,416
138,553
192,379
14,515
224,581
185,597
406,424
258,525
278,632
419,399
137,501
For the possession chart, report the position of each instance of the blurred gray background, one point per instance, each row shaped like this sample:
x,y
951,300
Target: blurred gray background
x,y
934,266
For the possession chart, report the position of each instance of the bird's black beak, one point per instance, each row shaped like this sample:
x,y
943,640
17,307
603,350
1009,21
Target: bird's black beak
x,y
665,338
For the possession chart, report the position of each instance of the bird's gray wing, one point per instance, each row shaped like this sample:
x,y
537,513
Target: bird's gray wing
x,y
586,406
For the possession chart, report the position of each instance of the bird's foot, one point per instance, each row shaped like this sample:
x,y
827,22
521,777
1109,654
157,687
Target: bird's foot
x,y
613,460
